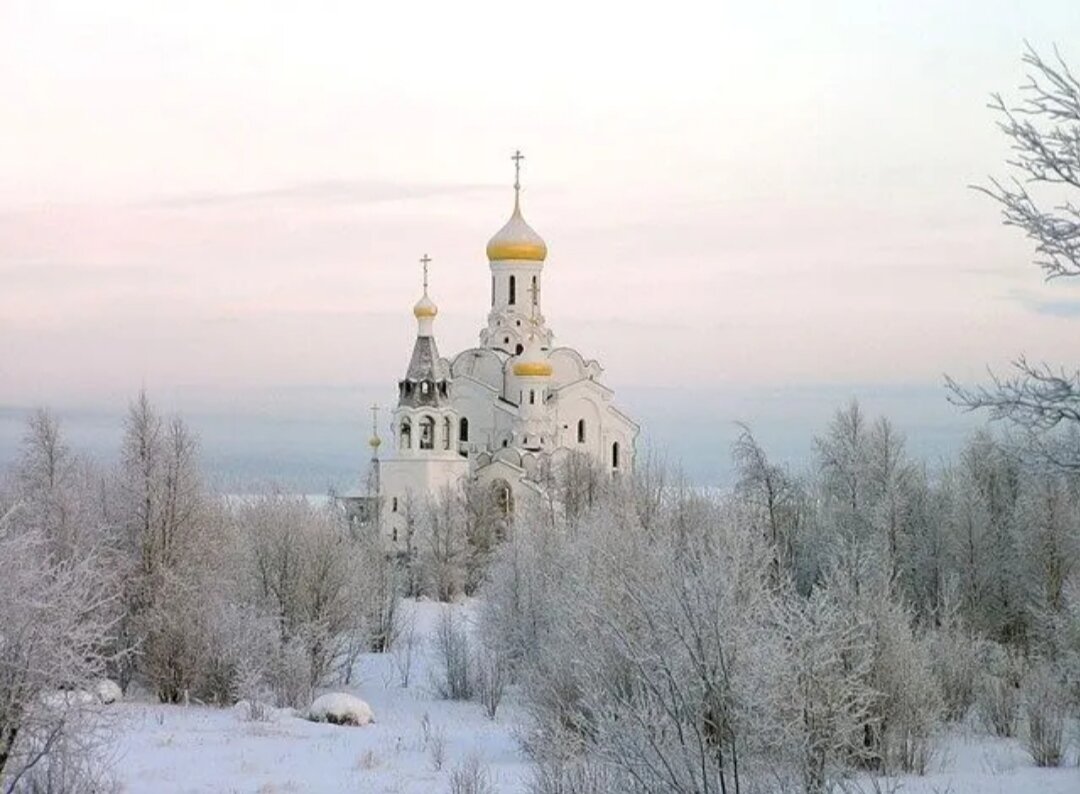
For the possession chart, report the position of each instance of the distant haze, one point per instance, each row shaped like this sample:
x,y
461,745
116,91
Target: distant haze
x,y
753,211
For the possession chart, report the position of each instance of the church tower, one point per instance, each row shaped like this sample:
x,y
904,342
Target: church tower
x,y
423,421
516,256
425,457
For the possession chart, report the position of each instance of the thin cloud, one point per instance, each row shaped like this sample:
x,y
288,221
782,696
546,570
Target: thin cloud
x,y
325,192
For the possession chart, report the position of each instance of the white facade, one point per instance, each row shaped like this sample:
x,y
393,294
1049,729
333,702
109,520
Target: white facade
x,y
500,411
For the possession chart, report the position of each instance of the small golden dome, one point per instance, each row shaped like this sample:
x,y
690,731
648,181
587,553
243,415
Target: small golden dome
x,y
516,240
374,442
425,307
533,369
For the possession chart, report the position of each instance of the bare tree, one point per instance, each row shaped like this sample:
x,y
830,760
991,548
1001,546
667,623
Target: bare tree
x,y
1044,130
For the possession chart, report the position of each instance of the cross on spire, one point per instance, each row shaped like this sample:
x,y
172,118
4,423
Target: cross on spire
x,y
425,260
375,419
517,157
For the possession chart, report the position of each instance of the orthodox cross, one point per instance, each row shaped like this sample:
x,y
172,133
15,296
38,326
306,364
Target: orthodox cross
x,y
517,157
425,260
375,419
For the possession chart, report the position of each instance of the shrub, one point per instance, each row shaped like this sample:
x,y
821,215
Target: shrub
x,y
1045,706
454,678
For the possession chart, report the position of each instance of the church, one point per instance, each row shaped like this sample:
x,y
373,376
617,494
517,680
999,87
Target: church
x,y
499,414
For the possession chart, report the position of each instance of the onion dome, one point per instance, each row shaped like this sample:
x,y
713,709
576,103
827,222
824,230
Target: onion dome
x,y
425,307
516,240
533,363
374,442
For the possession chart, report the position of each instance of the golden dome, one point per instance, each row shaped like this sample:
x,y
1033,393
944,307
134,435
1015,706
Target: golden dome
x,y
425,307
533,369
533,363
374,442
516,240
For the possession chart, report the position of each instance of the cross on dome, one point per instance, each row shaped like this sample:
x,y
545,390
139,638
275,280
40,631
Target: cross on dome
x,y
425,260
517,157
516,240
425,308
374,441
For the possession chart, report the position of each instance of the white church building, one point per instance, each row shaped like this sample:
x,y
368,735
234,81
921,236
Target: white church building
x,y
499,413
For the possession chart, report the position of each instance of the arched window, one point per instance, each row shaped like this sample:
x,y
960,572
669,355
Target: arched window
x,y
520,347
615,455
513,291
394,535
532,397
502,496
427,433
393,505
493,290
406,435
581,431
463,429
448,431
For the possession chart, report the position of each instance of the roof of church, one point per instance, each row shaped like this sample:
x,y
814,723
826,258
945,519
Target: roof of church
x,y
425,365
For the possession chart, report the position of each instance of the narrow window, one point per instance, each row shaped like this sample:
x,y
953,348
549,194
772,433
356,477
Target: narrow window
x,y
463,429
615,455
394,535
448,431
427,433
393,505
519,348
424,387
581,431
532,397
513,291
493,290
406,434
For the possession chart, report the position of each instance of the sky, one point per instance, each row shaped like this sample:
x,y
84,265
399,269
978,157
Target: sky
x,y
753,211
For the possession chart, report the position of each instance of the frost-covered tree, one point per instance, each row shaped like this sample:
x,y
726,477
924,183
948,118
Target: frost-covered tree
x,y
1040,199
56,620
774,502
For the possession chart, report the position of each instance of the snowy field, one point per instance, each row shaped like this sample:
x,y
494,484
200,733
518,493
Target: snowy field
x,y
161,748
205,749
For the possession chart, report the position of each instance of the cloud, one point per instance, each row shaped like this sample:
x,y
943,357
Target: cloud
x,y
337,191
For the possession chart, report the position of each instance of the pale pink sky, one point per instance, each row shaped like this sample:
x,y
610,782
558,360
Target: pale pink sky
x,y
223,199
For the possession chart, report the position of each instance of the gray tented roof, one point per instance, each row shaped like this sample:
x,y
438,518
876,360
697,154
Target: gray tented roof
x,y
425,365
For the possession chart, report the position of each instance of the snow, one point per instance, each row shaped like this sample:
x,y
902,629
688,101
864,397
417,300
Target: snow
x,y
340,708
108,691
171,748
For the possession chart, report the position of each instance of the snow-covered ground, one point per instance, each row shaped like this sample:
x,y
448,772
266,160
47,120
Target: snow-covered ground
x,y
202,749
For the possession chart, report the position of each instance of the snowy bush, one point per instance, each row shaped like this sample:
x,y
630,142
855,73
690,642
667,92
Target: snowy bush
x,y
956,657
492,676
998,697
471,777
453,676
1046,708
339,708
108,691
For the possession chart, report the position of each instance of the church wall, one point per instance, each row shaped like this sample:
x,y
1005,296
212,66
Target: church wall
x,y
407,480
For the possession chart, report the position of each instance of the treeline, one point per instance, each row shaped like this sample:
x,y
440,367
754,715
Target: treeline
x,y
802,627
